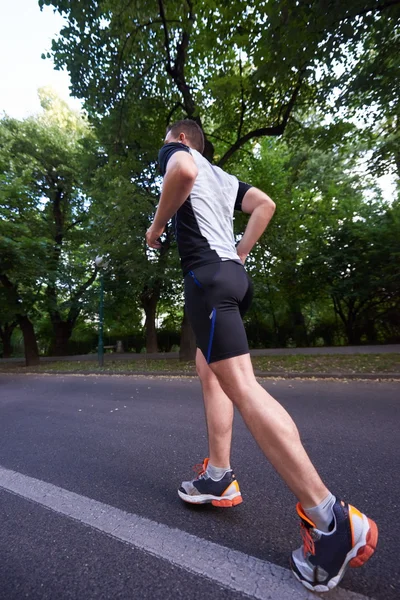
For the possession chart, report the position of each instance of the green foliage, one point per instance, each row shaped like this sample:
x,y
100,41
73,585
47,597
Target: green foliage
x,y
45,234
246,73
357,265
329,250
239,69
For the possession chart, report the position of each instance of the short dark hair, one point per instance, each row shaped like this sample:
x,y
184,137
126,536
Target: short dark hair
x,y
192,130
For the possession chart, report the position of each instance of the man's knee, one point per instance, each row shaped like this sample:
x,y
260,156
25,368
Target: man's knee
x,y
237,388
236,377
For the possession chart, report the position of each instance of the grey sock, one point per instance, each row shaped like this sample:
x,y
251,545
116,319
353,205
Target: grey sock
x,y
322,515
216,473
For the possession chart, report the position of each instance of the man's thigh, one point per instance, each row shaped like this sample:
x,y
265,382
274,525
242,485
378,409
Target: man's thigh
x,y
213,295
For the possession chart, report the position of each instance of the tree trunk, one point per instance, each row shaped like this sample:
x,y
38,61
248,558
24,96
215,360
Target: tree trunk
x,y
62,331
351,328
353,334
150,307
187,350
299,329
30,343
298,325
5,336
7,348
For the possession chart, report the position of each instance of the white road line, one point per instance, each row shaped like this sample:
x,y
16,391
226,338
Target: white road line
x,y
232,569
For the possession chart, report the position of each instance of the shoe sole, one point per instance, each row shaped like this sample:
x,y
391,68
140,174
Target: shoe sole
x,y
220,501
357,557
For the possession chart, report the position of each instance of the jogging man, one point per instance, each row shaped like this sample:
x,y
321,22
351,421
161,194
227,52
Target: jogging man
x,y
202,199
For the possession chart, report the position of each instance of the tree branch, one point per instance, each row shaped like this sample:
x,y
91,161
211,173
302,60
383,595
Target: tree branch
x,y
75,309
293,99
173,109
166,34
338,309
75,223
261,132
12,293
128,91
217,137
177,70
190,6
130,37
378,8
275,130
243,106
7,283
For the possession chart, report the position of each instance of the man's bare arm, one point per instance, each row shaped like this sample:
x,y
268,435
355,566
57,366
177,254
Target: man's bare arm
x,y
261,208
178,182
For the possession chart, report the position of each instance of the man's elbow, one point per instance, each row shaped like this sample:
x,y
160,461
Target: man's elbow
x,y
256,200
268,206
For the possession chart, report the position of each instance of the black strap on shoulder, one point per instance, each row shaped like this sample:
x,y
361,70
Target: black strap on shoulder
x,y
243,188
167,151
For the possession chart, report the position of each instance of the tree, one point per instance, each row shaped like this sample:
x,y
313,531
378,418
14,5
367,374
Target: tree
x,y
317,191
358,263
242,72
22,246
124,201
46,229
145,69
239,70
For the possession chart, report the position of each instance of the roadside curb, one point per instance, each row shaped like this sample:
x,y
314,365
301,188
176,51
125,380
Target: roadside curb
x,y
191,374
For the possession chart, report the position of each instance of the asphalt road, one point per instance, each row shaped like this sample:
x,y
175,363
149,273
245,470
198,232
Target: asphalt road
x,y
127,442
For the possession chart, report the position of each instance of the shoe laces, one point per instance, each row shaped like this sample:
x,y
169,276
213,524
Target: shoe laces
x,y
200,468
308,542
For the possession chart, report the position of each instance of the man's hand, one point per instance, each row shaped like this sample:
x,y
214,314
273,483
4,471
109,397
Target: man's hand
x,y
242,255
152,236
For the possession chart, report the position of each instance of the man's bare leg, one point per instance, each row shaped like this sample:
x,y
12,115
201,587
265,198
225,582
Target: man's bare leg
x,y
217,485
219,414
272,428
325,555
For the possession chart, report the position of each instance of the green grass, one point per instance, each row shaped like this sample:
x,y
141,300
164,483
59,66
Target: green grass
x,y
330,363
336,364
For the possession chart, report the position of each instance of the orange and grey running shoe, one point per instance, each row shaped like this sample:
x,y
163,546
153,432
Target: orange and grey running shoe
x,y
324,557
204,489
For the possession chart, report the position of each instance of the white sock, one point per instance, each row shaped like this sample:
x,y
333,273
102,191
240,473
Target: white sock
x,y
216,473
322,515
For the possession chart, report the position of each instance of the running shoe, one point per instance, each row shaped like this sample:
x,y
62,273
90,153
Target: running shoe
x,y
204,489
324,557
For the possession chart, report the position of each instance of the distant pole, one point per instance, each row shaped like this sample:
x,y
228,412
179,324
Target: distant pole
x,y
101,322
101,264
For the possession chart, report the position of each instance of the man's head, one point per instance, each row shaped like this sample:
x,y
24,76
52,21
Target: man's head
x,y
187,132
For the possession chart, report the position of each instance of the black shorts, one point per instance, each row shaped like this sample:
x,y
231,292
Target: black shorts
x,y
217,296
